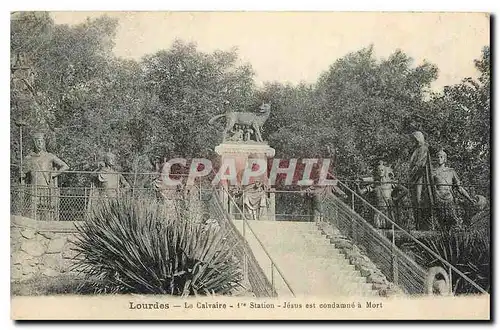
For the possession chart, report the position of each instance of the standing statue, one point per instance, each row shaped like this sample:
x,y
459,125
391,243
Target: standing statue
x,y
420,183
255,199
318,194
250,119
108,182
40,171
385,194
167,193
445,181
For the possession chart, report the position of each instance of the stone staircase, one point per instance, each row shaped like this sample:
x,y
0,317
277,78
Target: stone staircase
x,y
311,265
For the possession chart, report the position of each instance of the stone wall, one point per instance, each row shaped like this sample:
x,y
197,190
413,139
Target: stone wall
x,y
41,248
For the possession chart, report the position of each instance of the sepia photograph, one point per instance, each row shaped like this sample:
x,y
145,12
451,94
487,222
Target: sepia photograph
x,y
250,165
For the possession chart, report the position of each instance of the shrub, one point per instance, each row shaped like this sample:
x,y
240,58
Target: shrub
x,y
130,246
468,251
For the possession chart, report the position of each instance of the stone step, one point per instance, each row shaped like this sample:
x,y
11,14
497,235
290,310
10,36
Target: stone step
x,y
306,233
309,262
293,254
281,223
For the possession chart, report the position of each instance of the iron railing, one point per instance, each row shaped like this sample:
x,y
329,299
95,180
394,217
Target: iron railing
x,y
396,265
253,273
274,268
72,195
429,216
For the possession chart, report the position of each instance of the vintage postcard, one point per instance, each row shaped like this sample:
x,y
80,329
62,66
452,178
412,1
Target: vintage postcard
x,y
250,165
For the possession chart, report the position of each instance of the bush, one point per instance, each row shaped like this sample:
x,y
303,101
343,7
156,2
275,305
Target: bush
x,y
468,251
131,246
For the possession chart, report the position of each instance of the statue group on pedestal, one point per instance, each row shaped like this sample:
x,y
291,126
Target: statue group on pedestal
x,y
244,126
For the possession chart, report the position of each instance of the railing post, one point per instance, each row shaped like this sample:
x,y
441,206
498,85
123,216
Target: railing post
x,y
450,278
336,216
35,197
353,229
272,277
395,273
199,190
245,267
244,228
86,200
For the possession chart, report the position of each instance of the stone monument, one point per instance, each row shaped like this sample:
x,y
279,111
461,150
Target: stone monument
x,y
244,147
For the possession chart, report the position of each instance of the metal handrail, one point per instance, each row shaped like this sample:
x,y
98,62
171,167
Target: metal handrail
x,y
114,172
411,183
252,270
273,263
425,247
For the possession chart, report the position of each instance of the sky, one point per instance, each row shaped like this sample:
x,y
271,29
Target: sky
x,y
299,46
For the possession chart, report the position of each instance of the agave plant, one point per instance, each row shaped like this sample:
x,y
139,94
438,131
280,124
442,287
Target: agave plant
x,y
130,246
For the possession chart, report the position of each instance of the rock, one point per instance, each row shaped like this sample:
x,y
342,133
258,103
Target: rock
x,y
28,269
365,272
52,261
28,233
366,264
343,244
379,286
68,252
56,245
15,245
15,233
42,239
353,260
33,248
66,265
47,234
20,257
352,254
376,278
50,272
26,277
16,272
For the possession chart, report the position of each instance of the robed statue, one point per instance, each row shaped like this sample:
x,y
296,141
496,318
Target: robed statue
x,y
420,181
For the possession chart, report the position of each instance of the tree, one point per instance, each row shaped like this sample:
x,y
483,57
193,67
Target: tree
x,y
360,107
460,123
192,87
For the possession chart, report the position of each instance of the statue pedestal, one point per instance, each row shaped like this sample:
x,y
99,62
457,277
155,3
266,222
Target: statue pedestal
x,y
241,153
245,149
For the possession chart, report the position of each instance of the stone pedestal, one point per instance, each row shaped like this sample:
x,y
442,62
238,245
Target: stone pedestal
x,y
241,153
